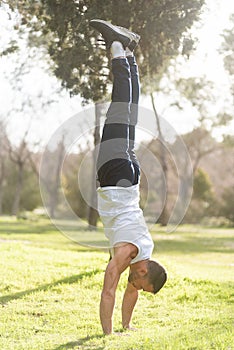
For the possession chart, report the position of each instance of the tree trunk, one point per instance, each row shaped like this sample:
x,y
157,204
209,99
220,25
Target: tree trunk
x,y
1,197
55,185
2,175
92,213
53,200
163,219
18,190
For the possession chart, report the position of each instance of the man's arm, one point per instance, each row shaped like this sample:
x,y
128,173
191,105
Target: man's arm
x,y
129,302
116,266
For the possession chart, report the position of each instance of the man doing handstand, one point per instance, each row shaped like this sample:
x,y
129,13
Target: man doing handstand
x,y
118,195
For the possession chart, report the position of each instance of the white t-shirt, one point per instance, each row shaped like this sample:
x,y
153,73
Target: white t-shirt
x,y
123,219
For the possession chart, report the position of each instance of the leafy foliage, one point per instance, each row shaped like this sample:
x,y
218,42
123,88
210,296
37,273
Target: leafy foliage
x,y
228,50
199,143
200,92
202,186
228,203
30,197
80,63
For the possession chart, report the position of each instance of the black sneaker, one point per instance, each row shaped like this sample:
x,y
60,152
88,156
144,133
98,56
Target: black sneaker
x,y
112,33
135,38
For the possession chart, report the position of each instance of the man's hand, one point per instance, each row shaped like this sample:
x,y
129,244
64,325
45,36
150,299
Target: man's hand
x,y
121,260
130,328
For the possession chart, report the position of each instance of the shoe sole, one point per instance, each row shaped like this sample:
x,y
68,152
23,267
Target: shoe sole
x,y
105,28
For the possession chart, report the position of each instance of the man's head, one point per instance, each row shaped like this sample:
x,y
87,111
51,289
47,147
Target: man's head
x,y
148,275
157,275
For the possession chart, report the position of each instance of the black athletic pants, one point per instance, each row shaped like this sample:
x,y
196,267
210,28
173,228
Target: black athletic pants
x,y
117,164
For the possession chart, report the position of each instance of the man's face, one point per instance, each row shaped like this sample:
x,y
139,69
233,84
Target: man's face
x,y
139,282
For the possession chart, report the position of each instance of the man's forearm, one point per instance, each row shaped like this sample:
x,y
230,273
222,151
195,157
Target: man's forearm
x,y
114,269
106,311
129,302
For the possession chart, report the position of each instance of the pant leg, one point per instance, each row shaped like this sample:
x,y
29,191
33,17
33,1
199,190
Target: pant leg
x,y
114,166
134,115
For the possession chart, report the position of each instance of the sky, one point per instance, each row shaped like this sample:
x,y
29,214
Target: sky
x,y
205,61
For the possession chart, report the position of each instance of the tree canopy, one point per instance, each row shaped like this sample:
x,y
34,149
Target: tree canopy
x,y
228,50
63,27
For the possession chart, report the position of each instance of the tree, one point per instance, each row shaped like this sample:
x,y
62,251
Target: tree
x,y
93,214
227,195
200,143
18,155
64,30
202,186
202,199
50,176
227,49
163,219
200,92
227,203
70,183
27,105
29,191
3,162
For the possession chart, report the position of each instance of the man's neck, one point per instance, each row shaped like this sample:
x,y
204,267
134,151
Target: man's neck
x,y
140,267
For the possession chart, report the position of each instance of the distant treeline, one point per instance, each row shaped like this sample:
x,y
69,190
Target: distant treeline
x,y
212,201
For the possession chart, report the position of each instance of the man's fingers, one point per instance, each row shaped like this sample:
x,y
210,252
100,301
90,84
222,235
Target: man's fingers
x,y
121,334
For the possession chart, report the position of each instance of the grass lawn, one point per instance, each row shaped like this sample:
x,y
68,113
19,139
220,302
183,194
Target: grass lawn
x,y
50,290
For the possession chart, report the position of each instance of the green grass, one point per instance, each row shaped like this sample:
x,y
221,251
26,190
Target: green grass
x,y
50,289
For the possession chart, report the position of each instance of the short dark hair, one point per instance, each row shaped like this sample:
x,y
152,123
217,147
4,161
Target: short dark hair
x,y
157,275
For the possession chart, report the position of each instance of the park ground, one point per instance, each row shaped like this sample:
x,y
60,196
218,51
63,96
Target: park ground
x,y
50,290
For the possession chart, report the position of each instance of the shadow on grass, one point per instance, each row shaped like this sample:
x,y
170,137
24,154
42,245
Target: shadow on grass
x,y
82,341
68,280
